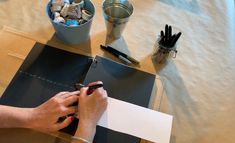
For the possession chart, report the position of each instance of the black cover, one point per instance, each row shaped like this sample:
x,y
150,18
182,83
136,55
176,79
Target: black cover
x,y
47,71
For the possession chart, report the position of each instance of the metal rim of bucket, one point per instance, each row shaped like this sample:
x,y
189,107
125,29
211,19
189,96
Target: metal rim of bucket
x,y
48,11
109,4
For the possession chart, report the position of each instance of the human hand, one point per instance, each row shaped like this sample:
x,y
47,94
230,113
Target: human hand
x,y
90,109
45,117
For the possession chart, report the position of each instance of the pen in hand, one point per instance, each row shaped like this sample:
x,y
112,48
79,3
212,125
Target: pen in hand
x,y
91,88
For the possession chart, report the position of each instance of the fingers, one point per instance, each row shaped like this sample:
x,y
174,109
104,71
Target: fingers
x,y
61,93
102,97
100,92
64,124
83,91
70,100
68,94
75,92
65,101
69,110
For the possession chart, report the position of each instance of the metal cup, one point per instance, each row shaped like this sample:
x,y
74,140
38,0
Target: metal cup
x,y
116,14
77,34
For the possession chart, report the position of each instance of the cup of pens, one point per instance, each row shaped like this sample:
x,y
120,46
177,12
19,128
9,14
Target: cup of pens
x,y
166,45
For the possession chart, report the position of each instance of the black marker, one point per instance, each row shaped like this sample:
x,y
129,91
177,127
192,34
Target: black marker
x,y
170,32
166,34
127,59
161,41
173,42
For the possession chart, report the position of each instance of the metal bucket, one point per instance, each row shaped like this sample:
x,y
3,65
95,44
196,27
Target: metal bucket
x,y
73,35
116,14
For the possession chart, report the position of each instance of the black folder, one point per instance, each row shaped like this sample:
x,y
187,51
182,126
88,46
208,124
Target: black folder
x,y
48,70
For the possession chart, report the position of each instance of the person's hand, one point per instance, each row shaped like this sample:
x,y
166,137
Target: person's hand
x,y
45,117
90,109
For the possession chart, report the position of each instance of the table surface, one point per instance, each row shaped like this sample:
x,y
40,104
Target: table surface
x,y
198,83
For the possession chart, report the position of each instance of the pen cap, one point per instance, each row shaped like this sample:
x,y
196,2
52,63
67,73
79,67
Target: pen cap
x,y
116,14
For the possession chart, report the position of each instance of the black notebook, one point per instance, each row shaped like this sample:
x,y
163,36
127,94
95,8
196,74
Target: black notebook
x,y
47,71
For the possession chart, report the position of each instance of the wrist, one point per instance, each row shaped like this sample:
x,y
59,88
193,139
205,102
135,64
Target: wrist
x,y
86,131
28,120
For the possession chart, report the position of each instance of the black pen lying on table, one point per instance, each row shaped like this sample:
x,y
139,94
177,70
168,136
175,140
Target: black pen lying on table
x,y
124,57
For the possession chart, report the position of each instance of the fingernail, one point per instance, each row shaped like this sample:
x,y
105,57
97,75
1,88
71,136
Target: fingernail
x,y
71,118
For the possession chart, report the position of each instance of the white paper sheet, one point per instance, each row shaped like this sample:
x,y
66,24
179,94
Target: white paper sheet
x,y
137,121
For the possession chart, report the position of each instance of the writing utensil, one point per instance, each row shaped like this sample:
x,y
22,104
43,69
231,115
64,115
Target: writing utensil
x,y
173,36
161,41
116,54
166,35
173,42
170,34
170,31
162,33
120,55
91,88
123,55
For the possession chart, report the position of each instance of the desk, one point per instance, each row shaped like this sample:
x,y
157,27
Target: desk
x,y
199,83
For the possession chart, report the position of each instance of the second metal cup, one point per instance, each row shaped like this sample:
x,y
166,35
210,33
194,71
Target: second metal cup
x,y
116,14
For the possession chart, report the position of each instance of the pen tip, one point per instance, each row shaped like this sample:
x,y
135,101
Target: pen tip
x,y
102,46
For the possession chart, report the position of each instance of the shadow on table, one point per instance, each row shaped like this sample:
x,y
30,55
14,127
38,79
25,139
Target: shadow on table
x,y
84,47
120,45
176,101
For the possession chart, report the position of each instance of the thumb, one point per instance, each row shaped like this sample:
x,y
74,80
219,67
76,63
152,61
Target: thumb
x,y
83,91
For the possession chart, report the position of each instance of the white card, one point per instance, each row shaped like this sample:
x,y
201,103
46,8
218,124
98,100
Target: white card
x,y
137,121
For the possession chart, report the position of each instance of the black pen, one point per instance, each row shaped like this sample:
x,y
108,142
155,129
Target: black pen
x,y
91,88
166,34
120,55
116,54
173,42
